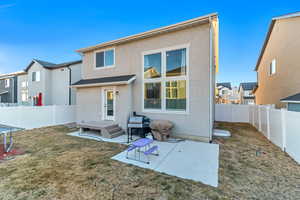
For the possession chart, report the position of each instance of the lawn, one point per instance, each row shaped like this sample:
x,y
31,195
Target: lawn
x,y
58,166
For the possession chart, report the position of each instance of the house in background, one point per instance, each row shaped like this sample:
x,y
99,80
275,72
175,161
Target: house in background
x,y
166,73
9,87
246,92
277,67
292,102
49,84
223,92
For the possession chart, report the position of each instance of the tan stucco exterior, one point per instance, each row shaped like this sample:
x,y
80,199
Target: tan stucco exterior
x,y
129,60
283,46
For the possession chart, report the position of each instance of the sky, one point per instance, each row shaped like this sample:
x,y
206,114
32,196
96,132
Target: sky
x,y
53,30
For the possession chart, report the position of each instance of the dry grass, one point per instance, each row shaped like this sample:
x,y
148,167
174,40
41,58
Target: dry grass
x,y
57,166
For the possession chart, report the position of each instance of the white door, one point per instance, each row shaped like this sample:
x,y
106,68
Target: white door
x,y
109,104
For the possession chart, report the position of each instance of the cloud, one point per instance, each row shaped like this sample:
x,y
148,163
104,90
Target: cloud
x,y
7,5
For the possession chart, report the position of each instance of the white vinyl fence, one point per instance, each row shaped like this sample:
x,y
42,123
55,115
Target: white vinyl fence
x,y
29,117
281,127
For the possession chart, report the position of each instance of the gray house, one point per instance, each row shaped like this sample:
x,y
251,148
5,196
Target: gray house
x,y
49,83
9,87
293,102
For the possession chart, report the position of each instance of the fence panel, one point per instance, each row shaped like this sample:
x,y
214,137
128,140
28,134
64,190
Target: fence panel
x,y
264,120
256,117
34,117
276,127
293,134
223,112
232,113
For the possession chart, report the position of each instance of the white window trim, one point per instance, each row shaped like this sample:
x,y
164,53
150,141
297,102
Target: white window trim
x,y
113,88
270,67
36,80
163,79
7,83
108,66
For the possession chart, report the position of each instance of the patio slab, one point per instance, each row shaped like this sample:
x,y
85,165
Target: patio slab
x,y
187,159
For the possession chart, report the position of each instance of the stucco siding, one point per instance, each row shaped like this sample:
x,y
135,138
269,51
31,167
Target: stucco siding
x,y
128,60
284,46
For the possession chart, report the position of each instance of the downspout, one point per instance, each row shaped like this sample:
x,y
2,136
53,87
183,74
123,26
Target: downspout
x,y
70,83
210,79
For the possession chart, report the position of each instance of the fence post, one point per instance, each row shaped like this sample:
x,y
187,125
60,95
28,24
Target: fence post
x,y
53,115
259,118
283,127
268,122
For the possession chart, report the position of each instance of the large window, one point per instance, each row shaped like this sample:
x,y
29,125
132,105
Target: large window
x,y
105,58
36,76
165,81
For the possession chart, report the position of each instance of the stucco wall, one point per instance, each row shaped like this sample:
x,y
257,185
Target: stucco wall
x,y
60,86
284,46
128,60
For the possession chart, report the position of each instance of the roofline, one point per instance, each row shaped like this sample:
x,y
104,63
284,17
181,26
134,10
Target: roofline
x,y
105,84
2,76
289,101
56,66
153,32
296,14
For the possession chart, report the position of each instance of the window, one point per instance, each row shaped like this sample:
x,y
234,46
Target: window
x,y
273,67
105,58
36,76
165,81
6,83
24,84
176,62
24,96
152,65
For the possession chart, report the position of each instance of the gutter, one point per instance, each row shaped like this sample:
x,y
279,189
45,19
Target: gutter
x,y
210,78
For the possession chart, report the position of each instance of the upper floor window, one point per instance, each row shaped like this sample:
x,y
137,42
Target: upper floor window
x,y
105,58
6,83
36,76
272,67
165,81
24,84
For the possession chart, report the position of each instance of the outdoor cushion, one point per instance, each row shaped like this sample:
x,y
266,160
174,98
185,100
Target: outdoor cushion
x,y
161,129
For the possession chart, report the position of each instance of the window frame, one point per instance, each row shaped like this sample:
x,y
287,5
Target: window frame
x,y
7,83
105,66
163,79
273,63
36,80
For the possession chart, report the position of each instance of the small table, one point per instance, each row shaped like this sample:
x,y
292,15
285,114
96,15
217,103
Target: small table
x,y
138,145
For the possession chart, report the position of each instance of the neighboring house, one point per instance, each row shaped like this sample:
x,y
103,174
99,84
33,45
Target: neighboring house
x,y
293,102
277,67
246,92
9,87
49,83
166,73
223,92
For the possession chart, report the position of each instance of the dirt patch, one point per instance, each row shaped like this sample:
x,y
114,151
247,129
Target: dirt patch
x,y
58,166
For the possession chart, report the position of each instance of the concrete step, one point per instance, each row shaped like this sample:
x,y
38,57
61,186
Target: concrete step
x,y
117,134
114,129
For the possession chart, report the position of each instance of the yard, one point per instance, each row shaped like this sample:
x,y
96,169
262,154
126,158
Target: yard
x,y
58,166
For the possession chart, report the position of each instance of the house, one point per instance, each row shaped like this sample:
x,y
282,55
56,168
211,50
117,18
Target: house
x,y
246,92
9,87
49,84
166,73
292,102
278,63
223,92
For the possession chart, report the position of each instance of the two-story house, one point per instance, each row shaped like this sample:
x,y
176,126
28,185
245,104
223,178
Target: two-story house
x,y
278,63
166,73
246,92
9,87
49,84
223,92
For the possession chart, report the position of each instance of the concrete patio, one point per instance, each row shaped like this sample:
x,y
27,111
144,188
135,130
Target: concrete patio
x,y
185,159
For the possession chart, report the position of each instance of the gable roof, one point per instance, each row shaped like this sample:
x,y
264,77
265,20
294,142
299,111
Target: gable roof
x,y
225,84
49,65
248,85
290,15
293,98
154,32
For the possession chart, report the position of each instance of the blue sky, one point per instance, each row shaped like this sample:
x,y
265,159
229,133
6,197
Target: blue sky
x,y
52,30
